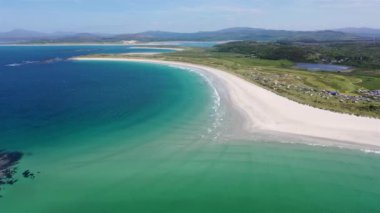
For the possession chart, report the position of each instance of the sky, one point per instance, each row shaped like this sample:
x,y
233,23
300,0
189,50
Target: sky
x,y
130,16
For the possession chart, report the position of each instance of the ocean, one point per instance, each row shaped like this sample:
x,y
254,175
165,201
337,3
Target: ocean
x,y
135,137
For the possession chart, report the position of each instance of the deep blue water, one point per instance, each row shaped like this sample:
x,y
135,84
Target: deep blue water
x,y
40,95
14,56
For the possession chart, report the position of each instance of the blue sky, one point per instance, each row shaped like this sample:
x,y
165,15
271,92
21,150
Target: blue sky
x,y
116,16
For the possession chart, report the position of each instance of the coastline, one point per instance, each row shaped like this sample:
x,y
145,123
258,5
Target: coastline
x,y
267,111
141,46
147,53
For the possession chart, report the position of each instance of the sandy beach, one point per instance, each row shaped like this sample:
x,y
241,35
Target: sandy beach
x,y
156,48
265,110
147,53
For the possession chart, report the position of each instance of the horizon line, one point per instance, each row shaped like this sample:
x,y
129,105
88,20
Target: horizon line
x,y
198,31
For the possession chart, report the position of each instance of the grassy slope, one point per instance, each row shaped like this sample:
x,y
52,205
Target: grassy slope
x,y
370,79
279,76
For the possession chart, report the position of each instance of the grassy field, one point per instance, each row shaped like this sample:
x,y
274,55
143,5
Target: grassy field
x,y
279,76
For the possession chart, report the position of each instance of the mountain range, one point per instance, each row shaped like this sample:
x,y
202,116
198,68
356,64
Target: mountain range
x,y
242,33
363,32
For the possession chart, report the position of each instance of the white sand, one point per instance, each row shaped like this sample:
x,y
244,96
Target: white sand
x,y
142,53
265,110
156,48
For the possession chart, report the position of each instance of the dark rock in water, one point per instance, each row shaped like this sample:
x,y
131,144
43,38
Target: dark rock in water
x,y
8,169
8,161
28,174
11,182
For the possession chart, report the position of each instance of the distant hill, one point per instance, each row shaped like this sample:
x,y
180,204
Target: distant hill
x,y
363,32
220,35
20,35
239,34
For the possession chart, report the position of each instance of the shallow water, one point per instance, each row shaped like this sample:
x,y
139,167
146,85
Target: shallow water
x,y
133,137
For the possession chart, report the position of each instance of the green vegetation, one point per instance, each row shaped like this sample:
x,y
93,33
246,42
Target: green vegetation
x,y
312,88
357,54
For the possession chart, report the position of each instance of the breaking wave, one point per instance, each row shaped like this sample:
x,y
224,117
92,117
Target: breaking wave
x,y
48,61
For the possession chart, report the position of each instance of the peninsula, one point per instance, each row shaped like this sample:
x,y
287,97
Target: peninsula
x,y
265,110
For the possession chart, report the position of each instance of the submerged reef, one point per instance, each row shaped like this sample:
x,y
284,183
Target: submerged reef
x,y
8,168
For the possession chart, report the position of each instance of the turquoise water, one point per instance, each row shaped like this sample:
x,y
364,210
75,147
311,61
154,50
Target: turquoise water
x,y
134,137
